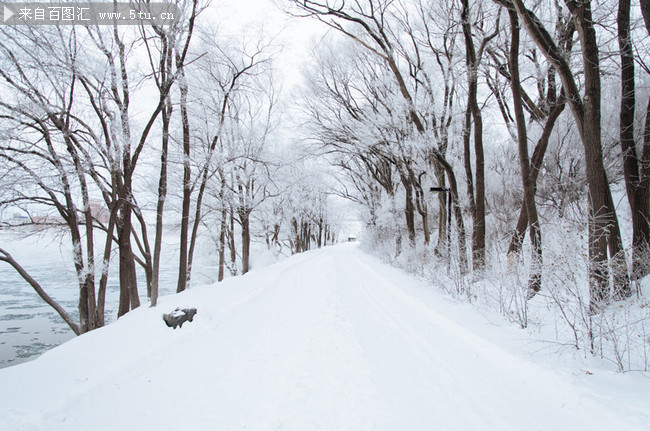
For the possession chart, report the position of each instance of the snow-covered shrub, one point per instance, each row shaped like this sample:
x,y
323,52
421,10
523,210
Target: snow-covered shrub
x,y
618,333
622,335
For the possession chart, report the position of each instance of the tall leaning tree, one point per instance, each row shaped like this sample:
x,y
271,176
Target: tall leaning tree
x,y
535,277
636,163
475,181
604,231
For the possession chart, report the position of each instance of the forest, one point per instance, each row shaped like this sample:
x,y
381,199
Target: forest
x,y
498,148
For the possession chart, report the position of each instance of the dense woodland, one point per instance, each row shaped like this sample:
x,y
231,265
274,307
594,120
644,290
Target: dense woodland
x,y
506,141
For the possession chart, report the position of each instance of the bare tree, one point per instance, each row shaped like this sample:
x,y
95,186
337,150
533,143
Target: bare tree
x,y
51,150
81,113
252,131
603,224
636,164
535,279
230,74
368,25
473,59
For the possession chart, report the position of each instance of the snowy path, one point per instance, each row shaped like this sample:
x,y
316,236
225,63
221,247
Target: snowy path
x,y
328,340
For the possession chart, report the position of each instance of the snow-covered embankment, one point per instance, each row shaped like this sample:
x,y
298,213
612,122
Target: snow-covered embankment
x,y
326,340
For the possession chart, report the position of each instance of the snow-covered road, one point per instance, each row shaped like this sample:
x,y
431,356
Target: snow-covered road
x,y
326,340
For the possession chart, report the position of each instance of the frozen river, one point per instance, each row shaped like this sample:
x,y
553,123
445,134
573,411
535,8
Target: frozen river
x,y
28,326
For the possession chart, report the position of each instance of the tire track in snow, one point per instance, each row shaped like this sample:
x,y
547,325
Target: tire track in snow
x,y
331,390
406,398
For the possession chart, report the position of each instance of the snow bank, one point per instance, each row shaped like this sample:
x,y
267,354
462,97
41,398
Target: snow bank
x,y
326,340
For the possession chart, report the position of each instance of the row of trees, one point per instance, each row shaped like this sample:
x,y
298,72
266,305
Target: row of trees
x,y
117,134
109,130
399,100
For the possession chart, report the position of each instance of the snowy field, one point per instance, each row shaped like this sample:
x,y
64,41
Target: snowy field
x,y
326,340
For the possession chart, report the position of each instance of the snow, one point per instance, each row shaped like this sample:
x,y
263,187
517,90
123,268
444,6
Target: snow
x,y
326,340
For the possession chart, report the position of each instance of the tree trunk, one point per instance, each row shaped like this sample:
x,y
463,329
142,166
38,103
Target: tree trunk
x,y
103,281
295,235
442,211
421,204
231,244
305,234
645,11
128,281
605,230
320,232
245,241
409,210
478,228
535,277
89,297
162,196
425,228
643,197
145,250
187,191
635,183
195,225
536,164
222,227
222,243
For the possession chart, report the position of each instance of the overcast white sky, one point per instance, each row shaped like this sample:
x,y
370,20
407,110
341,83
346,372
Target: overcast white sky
x,y
295,34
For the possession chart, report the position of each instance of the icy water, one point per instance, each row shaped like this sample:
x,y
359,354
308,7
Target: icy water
x,y
28,326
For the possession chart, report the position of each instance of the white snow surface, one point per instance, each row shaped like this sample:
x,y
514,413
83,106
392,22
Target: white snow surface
x,y
330,339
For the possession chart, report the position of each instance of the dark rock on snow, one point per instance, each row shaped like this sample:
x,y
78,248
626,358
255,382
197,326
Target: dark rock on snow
x,y
178,317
